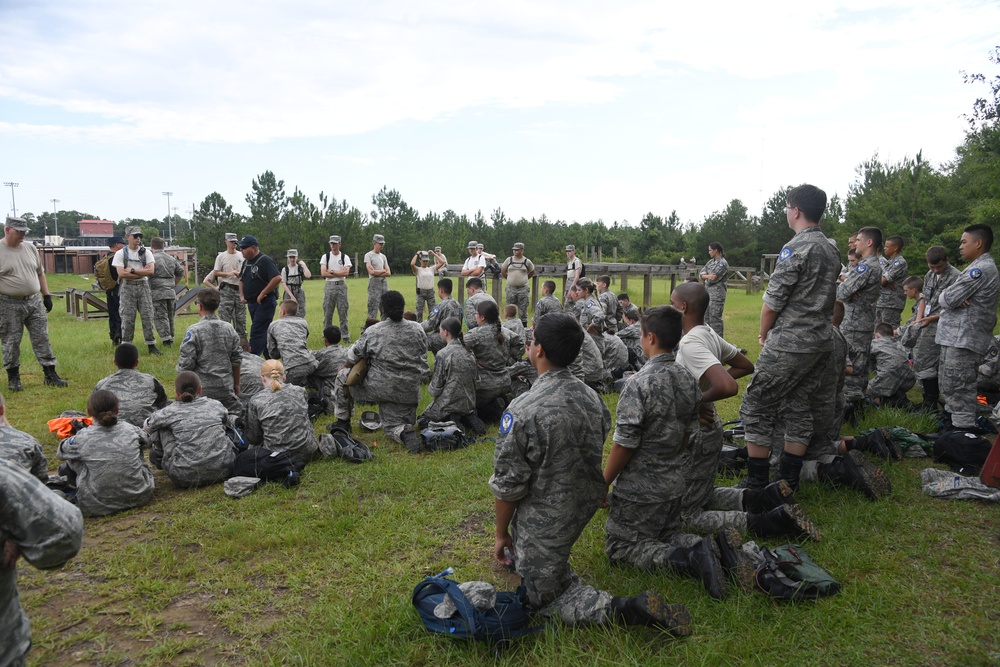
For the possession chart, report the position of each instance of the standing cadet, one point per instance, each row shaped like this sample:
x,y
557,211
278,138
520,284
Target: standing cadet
x,y
443,271
115,243
446,308
227,273
518,270
474,287
259,280
548,303
211,348
860,292
292,275
24,302
167,273
892,299
927,353
547,482
715,275
135,265
378,270
475,263
573,269
609,302
425,280
965,330
797,338
44,528
335,266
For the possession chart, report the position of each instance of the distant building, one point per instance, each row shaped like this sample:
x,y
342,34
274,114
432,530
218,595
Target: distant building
x,y
92,230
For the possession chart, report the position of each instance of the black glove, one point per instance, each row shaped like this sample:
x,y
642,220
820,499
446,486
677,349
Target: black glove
x,y
47,300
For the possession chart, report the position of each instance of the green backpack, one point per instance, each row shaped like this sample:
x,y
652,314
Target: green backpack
x,y
788,573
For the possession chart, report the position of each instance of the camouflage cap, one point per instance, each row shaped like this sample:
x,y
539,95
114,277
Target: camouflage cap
x,y
518,246
334,239
292,252
133,230
232,237
472,244
570,247
17,223
378,238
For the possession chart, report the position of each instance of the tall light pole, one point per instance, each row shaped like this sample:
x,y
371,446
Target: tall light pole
x,y
55,216
8,184
170,225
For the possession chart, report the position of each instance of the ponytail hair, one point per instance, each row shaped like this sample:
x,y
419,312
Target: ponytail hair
x,y
187,386
273,369
454,328
102,406
491,313
717,247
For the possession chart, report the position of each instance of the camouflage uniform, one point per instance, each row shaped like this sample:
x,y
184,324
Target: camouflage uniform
x,y
610,304
471,303
377,285
292,277
548,461
448,307
111,474
287,340
167,271
988,374
590,311
329,360
859,292
547,304
134,294
279,421
717,290
657,418
964,334
24,451
211,349
397,361
631,336
491,358
335,294
891,300
927,353
250,383
786,382
516,333
615,353
16,315
892,369
589,365
47,530
230,307
518,293
190,444
139,394
453,384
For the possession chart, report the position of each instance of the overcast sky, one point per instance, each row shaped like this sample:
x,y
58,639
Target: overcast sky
x,y
577,110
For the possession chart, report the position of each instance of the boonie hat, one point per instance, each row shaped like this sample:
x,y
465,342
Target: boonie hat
x,y
570,247
371,421
248,241
518,246
425,257
480,246
378,238
292,252
17,223
472,244
231,237
114,240
335,239
133,231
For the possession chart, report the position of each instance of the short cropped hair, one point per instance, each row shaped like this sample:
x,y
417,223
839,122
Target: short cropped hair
x,y
936,254
664,322
332,334
209,299
550,285
474,282
898,240
695,295
914,282
982,232
510,310
126,355
445,285
156,243
289,308
884,328
604,279
560,336
809,199
873,234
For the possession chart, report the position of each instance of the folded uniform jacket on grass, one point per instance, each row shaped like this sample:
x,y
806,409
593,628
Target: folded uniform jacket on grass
x,y
952,486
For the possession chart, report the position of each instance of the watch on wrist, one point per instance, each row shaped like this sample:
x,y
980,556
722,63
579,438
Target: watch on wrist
x,y
132,270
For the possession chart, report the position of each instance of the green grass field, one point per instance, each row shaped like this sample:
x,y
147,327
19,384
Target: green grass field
x,y
322,574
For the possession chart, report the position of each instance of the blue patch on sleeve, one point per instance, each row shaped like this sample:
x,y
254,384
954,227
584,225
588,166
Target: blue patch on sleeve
x,y
506,422
187,337
975,274
784,254
896,263
862,268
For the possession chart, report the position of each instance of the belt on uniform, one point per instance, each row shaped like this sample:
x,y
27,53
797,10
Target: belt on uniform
x,y
335,281
223,285
17,298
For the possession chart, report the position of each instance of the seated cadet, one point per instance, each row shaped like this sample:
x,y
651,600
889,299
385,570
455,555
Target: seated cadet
x,y
277,417
589,364
445,308
396,351
512,323
188,437
893,373
615,353
138,393
490,343
547,482
453,384
588,308
657,422
249,372
329,360
548,303
106,459
20,448
627,308
288,340
44,528
631,335
477,294
211,348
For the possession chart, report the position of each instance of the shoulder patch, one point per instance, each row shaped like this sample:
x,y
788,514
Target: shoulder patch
x,y
506,422
784,254
435,311
862,268
187,336
896,263
976,274
590,304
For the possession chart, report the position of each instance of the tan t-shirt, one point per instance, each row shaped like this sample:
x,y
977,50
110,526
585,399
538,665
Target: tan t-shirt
x,y
19,270
226,262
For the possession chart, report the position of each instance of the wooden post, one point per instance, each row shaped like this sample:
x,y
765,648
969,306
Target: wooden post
x,y
614,254
534,292
600,253
624,287
647,289
750,281
673,282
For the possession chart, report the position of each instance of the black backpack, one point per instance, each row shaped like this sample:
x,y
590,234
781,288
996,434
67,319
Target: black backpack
x,y
340,444
443,435
268,466
964,452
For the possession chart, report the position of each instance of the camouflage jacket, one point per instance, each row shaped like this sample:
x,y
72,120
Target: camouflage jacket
x,y
859,292
491,356
166,272
138,394
287,339
443,310
970,326
189,442
547,304
894,271
211,348
279,420
23,450
454,382
397,360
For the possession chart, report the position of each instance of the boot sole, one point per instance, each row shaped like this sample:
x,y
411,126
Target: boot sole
x,y
737,562
779,493
804,526
895,451
867,477
674,618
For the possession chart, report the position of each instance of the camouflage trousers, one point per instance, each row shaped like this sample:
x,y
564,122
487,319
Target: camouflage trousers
x,y
16,315
716,303
519,296
725,510
300,298
232,310
957,376
645,535
860,345
135,296
394,415
376,288
926,354
163,318
885,385
222,391
435,343
786,387
335,299
424,296
702,506
891,316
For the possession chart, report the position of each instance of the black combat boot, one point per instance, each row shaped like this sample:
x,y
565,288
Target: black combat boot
x,y
932,393
879,443
649,609
701,562
473,423
154,350
14,379
773,495
411,441
785,520
735,561
758,473
856,471
790,469
342,424
52,379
